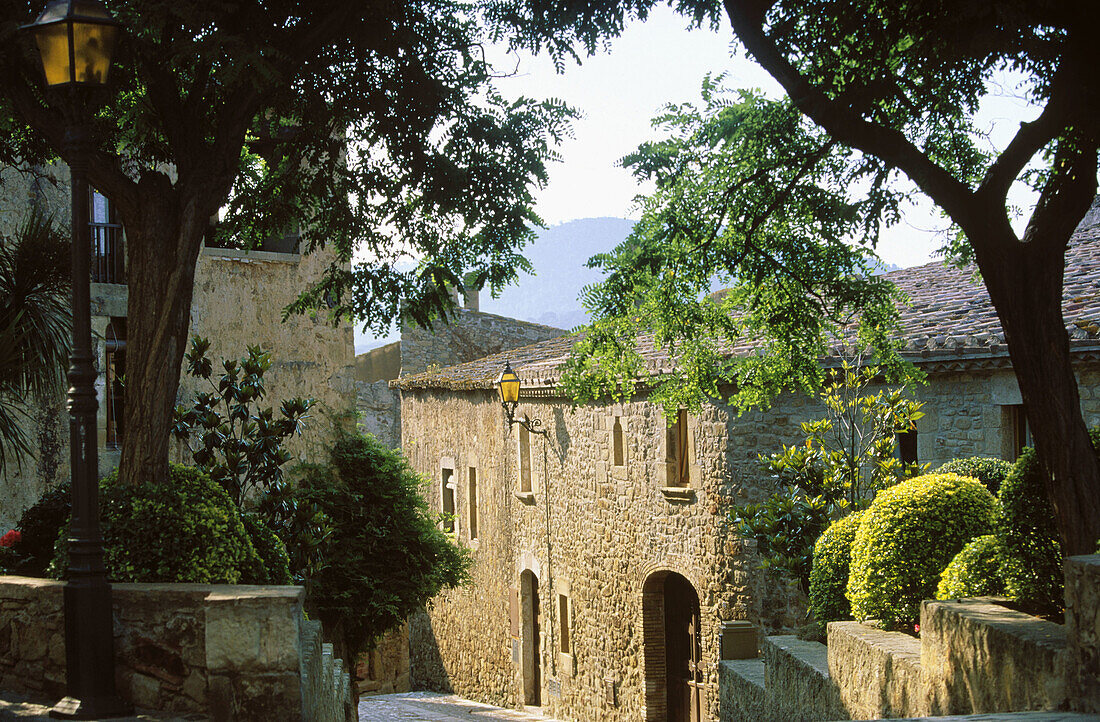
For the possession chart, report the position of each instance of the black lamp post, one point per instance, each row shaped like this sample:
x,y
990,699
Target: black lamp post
x,y
75,40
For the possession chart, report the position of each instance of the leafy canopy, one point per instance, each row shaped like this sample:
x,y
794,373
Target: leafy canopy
x,y
365,126
753,199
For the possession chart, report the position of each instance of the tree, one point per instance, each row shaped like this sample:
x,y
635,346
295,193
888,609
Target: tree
x,y
894,87
365,125
34,325
231,439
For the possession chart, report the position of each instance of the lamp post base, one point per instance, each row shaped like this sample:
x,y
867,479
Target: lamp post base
x,y
91,708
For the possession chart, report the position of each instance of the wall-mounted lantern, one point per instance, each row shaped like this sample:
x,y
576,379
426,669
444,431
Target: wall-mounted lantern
x,y
508,384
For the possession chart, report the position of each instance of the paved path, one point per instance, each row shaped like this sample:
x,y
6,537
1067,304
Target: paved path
x,y
433,707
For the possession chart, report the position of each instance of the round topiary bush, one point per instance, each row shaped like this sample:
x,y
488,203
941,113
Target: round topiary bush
x,y
185,529
991,472
829,574
906,538
974,572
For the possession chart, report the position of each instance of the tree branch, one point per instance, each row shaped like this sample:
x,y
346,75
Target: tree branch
x,y
849,127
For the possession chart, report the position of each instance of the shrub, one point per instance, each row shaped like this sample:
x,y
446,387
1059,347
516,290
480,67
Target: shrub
x,y
829,576
785,526
974,572
906,538
272,563
39,527
991,472
1032,562
185,529
384,555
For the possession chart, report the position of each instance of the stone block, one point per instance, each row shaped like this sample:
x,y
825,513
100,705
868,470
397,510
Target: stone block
x,y
253,631
1083,632
797,679
738,640
878,673
978,656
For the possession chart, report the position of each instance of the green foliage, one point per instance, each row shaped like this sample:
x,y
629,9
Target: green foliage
x,y
829,576
1032,561
784,526
34,326
272,563
907,537
991,472
40,526
184,530
851,454
385,555
237,444
751,198
974,572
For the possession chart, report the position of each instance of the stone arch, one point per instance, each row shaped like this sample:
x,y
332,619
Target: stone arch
x,y
662,657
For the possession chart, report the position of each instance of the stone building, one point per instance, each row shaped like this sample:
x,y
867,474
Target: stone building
x,y
238,301
605,567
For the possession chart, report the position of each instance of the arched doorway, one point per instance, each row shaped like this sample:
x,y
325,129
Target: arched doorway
x,y
529,638
671,634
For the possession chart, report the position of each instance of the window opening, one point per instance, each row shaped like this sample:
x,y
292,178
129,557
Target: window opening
x,y
907,446
448,490
1021,433
564,617
617,442
108,258
114,362
524,460
677,444
471,500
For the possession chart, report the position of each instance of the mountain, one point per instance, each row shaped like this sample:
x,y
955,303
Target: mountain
x,y
551,295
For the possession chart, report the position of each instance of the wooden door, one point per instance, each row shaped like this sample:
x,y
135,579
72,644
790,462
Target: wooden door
x,y
682,651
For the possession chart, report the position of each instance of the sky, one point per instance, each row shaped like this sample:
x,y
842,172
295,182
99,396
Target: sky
x,y
619,91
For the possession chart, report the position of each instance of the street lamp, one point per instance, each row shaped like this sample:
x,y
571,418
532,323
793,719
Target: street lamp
x,y
75,39
508,384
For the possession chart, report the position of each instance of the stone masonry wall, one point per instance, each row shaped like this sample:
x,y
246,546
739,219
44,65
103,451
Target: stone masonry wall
x,y
230,652
1083,632
470,335
615,527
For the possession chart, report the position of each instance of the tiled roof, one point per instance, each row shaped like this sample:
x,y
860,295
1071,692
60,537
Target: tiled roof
x,y
949,315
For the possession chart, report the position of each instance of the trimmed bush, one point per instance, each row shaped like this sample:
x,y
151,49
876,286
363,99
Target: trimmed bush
x,y
829,576
186,529
974,572
1032,562
906,538
991,472
272,563
39,526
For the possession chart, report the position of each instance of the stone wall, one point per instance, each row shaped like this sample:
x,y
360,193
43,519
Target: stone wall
x,y
877,673
615,528
470,335
379,409
231,652
1083,632
978,656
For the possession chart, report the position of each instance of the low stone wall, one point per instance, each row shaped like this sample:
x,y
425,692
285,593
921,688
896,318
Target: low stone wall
x,y
1083,632
878,672
231,652
979,656
798,679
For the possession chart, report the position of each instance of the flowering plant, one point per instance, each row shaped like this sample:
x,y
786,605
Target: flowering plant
x,y
11,538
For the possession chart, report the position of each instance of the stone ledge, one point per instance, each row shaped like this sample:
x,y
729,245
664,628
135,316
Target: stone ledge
x,y
1083,632
797,679
981,657
743,698
678,493
878,672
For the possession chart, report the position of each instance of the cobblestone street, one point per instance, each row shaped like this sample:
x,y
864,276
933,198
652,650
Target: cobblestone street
x,y
433,707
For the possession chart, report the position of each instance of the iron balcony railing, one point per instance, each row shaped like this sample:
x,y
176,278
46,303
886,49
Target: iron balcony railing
x,y
108,263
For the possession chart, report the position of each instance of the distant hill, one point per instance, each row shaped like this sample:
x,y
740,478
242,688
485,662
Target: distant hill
x,y
550,297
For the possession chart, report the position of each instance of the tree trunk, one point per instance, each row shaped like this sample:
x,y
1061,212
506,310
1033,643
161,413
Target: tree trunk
x,y
1025,284
163,244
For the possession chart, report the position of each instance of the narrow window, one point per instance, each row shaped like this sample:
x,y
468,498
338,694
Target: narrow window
x,y
524,460
108,258
907,446
471,501
114,362
563,616
677,451
1020,433
617,442
448,489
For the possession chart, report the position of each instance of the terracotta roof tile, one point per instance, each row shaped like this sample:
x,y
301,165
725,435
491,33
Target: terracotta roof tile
x,y
949,312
